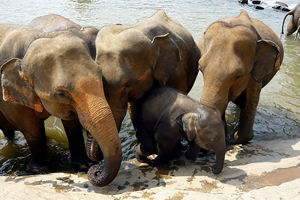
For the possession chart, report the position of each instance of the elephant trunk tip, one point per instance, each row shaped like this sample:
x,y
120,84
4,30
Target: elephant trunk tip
x,y
99,177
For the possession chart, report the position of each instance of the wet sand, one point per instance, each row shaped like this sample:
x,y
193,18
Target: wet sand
x,y
268,169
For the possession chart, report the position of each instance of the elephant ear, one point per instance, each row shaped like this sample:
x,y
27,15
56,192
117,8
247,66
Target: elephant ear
x,y
16,88
189,123
268,58
169,57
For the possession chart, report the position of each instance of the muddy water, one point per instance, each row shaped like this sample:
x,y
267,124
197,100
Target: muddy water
x,y
279,108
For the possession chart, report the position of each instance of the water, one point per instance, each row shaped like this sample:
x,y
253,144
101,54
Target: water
x,y
278,113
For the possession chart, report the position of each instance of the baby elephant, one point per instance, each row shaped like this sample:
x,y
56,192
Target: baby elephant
x,y
166,116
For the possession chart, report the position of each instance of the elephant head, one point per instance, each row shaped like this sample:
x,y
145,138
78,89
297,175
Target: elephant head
x,y
294,21
237,64
229,63
205,127
52,22
58,76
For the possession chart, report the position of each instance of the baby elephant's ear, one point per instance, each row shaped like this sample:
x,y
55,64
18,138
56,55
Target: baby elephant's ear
x,y
190,124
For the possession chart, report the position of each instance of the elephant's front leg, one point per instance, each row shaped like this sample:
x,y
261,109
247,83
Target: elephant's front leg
x,y
146,146
298,29
79,159
34,132
132,113
247,114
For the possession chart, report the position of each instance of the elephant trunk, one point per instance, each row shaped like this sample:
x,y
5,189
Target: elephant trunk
x,y
287,14
220,156
214,96
96,117
92,148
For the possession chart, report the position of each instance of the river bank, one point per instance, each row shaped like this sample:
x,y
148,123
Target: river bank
x,y
268,169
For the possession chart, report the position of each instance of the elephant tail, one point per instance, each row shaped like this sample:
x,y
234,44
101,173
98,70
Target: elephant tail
x,y
287,14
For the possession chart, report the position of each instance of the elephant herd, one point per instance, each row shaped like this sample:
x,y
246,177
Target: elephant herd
x,y
90,78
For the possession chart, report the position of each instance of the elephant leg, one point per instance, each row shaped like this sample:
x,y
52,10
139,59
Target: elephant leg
x,y
119,110
146,146
247,114
36,138
34,132
166,144
141,155
298,29
7,128
132,113
225,124
192,152
79,159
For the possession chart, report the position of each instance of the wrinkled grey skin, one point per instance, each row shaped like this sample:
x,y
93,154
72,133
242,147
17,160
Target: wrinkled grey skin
x,y
236,65
166,116
294,23
45,74
52,22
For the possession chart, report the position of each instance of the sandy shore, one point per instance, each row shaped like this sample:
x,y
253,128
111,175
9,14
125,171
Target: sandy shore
x,y
260,170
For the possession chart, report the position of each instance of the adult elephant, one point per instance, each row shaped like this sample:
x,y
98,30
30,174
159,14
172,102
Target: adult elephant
x,y
54,74
53,22
294,23
156,51
236,65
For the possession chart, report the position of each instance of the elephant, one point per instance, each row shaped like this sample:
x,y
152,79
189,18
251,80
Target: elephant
x,y
166,116
54,22
154,52
236,65
45,74
294,23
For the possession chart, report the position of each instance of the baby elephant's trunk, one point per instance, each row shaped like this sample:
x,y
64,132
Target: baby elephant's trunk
x,y
220,155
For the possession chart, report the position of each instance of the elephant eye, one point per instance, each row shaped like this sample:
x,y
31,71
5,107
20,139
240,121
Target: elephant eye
x,y
62,96
59,93
238,76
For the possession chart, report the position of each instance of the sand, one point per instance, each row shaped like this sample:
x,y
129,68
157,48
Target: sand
x,y
259,170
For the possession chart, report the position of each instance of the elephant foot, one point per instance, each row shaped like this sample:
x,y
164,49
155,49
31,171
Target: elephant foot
x,y
215,169
37,168
239,138
160,163
81,165
140,156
